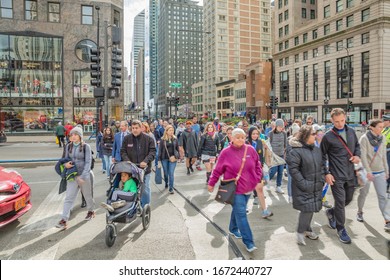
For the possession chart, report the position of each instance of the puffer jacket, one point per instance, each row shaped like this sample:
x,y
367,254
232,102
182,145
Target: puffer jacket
x,y
307,172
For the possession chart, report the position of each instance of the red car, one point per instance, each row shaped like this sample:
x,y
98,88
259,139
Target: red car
x,y
15,196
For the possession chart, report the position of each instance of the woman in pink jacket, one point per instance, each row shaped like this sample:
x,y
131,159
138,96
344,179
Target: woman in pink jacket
x,y
229,163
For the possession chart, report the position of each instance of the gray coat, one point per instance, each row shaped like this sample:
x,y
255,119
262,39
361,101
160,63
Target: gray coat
x,y
189,142
307,173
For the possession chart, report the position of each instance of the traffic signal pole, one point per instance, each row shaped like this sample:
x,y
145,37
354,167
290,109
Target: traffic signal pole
x,y
105,73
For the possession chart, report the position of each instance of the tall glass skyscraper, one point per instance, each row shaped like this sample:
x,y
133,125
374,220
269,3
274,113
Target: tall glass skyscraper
x,y
138,43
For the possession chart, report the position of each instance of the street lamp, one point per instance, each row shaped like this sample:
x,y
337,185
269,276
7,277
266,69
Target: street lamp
x,y
326,102
175,50
232,110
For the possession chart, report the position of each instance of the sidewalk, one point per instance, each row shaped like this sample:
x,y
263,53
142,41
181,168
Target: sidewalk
x,y
38,138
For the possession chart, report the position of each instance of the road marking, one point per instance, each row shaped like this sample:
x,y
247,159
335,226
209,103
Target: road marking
x,y
47,214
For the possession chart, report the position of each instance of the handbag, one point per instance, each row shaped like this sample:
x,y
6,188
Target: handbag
x,y
276,160
158,176
227,188
63,184
171,158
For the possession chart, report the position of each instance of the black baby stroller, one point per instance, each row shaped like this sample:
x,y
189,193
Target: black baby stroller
x,y
132,209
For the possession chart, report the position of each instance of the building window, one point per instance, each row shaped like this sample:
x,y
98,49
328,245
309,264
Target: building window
x,y
280,17
365,15
285,2
296,58
365,38
280,47
327,79
31,10
339,6
305,84
284,86
327,11
280,4
305,56
286,45
296,84
286,61
6,10
327,29
117,18
314,34
327,49
303,13
280,32
339,24
281,62
312,2
305,38
87,15
315,53
350,21
312,14
286,15
365,74
286,30
54,12
350,3
315,82
345,77
296,41
350,43
339,45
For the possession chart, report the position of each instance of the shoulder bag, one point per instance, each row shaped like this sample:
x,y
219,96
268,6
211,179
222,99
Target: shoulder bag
x,y
171,158
227,188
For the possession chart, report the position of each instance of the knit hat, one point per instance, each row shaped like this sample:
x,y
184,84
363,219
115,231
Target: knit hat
x,y
77,130
294,128
317,127
279,122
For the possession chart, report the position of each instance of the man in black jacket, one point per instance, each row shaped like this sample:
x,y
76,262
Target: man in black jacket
x,y
140,149
341,148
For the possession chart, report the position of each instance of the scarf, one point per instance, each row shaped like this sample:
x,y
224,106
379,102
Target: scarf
x,y
375,141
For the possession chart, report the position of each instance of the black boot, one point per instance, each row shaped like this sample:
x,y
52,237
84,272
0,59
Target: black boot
x,y
188,171
192,170
208,174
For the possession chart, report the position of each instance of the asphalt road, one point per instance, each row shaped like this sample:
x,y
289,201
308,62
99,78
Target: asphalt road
x,y
177,230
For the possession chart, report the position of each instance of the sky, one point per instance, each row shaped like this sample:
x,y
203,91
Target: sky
x,y
132,8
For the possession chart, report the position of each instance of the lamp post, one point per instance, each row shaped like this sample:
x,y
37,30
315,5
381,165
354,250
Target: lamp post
x,y
98,120
175,50
232,110
149,107
170,99
326,102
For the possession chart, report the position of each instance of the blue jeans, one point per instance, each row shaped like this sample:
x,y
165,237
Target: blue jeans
x,y
156,158
107,160
169,172
279,177
147,194
239,221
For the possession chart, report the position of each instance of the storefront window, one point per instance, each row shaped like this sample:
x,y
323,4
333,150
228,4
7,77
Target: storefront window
x,y
31,95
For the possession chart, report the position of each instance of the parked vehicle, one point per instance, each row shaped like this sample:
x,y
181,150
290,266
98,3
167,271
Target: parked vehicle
x,y
15,196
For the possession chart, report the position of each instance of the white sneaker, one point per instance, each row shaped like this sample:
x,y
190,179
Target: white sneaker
x,y
255,201
301,239
290,199
279,190
311,235
107,206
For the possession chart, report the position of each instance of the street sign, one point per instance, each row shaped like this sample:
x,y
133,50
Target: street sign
x,y
176,85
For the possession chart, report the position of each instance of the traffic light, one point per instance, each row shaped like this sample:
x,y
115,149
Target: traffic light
x,y
116,67
113,93
349,106
95,68
177,101
272,102
276,102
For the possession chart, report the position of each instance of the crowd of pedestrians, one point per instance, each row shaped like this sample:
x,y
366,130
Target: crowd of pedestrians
x,y
315,162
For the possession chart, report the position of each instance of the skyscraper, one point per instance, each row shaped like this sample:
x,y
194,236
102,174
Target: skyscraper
x,y
180,33
138,43
241,34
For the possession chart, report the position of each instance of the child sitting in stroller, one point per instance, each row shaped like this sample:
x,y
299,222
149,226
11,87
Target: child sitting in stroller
x,y
127,190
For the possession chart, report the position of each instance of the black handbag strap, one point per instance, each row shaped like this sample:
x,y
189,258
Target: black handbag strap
x,y
165,144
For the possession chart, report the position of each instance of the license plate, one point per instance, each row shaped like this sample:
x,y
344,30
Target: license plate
x,y
20,203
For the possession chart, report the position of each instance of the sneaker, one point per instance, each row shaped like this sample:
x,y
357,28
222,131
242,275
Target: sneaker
x,y
359,217
326,204
62,224
198,168
266,213
255,201
171,191
301,239
236,234
104,171
89,216
118,204
83,204
311,235
188,171
290,199
251,248
166,185
279,190
332,220
387,226
191,169
344,237
107,207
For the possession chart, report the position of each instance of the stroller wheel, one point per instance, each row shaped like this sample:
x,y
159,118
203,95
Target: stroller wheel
x,y
110,235
146,216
